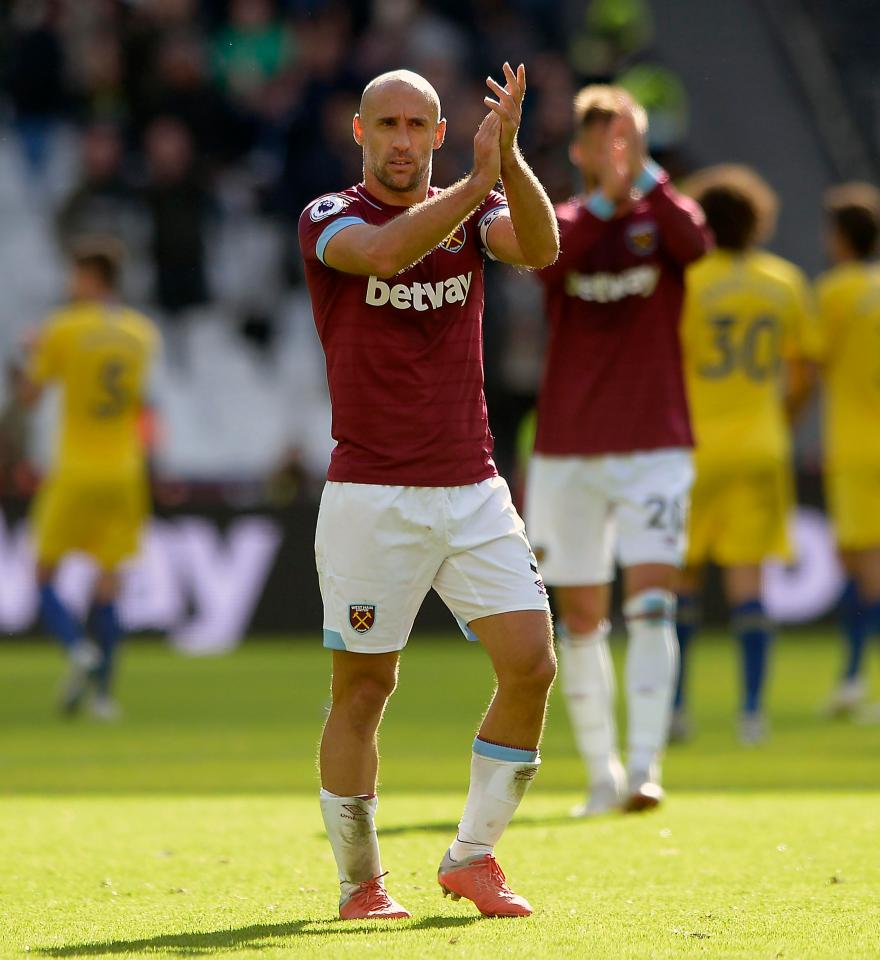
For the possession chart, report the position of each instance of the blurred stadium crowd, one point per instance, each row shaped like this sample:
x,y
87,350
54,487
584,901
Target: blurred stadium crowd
x,y
196,130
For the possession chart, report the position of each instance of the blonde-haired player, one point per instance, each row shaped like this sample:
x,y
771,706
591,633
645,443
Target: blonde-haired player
x,y
94,500
612,467
749,338
849,309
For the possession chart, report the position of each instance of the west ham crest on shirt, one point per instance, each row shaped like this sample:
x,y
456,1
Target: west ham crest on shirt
x,y
641,237
327,206
362,616
456,240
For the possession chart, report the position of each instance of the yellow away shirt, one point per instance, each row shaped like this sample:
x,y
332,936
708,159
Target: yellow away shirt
x,y
849,312
99,354
744,315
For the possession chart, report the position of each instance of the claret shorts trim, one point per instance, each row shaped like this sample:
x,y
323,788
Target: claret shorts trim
x,y
380,549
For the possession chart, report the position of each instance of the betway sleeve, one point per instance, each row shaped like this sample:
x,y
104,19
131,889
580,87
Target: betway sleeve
x,y
321,220
684,235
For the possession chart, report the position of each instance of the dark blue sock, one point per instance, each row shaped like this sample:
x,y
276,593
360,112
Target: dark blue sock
x,y
752,628
57,619
108,634
855,629
686,624
871,612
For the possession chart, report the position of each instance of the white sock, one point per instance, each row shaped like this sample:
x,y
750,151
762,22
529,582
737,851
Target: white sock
x,y
352,832
500,777
588,683
651,668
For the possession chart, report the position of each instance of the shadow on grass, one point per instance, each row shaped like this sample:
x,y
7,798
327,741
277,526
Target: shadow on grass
x,y
450,826
255,937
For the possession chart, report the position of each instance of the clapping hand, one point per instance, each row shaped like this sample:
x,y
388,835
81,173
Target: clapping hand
x,y
508,106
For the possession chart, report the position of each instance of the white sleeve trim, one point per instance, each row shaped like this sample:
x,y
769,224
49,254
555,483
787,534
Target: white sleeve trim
x,y
486,221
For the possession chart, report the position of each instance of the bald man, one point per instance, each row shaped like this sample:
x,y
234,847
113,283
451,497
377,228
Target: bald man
x,y
413,500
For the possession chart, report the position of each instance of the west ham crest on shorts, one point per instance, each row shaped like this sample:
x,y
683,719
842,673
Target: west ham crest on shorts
x,y
362,616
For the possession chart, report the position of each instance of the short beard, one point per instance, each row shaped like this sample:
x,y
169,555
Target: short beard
x,y
420,173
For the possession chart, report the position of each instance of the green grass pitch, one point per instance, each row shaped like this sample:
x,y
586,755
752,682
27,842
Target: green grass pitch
x,y
192,827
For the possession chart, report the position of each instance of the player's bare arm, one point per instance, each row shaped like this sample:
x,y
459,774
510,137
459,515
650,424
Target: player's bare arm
x,y
384,251
801,380
529,237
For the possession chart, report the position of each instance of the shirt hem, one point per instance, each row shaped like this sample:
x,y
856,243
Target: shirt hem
x,y
604,451
384,480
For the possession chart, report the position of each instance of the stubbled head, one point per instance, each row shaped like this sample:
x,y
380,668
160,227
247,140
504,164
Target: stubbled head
x,y
740,206
399,126
852,217
595,106
95,268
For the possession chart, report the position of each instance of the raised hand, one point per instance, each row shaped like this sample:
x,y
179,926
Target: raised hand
x,y
508,106
629,132
487,152
616,174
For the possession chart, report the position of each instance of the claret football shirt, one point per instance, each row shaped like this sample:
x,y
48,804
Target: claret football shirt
x,y
613,379
405,354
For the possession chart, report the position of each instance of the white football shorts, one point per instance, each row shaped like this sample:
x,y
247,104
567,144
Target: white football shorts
x,y
380,549
583,513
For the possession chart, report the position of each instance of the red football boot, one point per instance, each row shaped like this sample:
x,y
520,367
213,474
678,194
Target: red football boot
x,y
481,880
371,902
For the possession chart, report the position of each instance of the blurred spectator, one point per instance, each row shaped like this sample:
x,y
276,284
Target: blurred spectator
x,y
464,109
318,160
662,94
231,112
178,201
183,90
101,201
101,80
611,32
36,84
506,34
549,130
148,25
251,51
407,33
316,150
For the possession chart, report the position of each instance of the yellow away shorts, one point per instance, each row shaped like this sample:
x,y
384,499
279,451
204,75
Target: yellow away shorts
x,y
97,516
739,514
853,497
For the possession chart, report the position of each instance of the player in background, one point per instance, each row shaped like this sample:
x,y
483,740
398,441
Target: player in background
x,y
849,310
612,465
750,343
94,499
394,268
